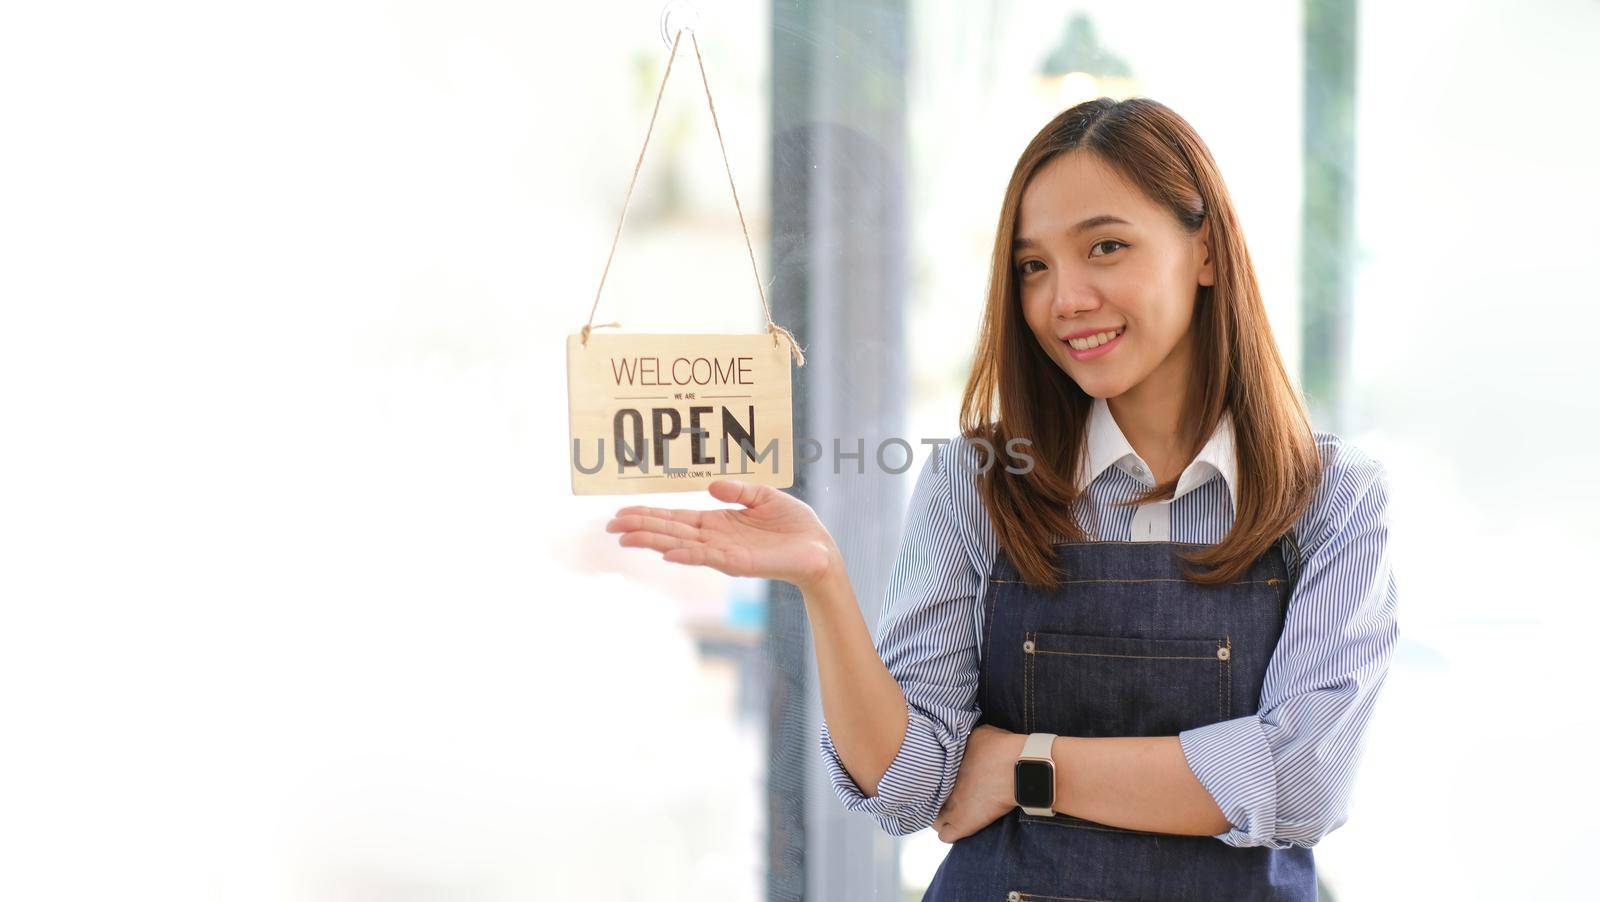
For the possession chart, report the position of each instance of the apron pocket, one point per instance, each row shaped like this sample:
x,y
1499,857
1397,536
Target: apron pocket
x,y
1083,685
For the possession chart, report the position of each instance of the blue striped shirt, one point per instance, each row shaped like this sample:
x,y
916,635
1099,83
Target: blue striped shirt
x,y
1281,776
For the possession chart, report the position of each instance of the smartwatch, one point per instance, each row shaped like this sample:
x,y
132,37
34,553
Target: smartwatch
x,y
1036,776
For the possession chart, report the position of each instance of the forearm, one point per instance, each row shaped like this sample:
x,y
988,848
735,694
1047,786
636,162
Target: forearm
x,y
1140,783
863,705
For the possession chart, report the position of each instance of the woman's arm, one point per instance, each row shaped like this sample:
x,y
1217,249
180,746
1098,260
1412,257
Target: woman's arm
x,y
1283,775
862,704
898,709
1141,783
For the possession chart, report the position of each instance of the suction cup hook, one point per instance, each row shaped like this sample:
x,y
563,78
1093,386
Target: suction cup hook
x,y
679,15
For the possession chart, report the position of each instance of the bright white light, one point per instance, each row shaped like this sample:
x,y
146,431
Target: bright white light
x,y
1077,87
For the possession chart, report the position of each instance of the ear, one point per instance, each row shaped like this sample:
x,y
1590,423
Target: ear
x,y
1208,270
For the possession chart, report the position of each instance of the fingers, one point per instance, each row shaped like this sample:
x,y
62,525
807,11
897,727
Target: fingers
x,y
646,523
941,821
691,517
678,549
675,533
748,494
655,540
679,542
699,555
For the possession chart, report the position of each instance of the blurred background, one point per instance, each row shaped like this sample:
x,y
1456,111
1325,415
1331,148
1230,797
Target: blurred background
x,y
296,603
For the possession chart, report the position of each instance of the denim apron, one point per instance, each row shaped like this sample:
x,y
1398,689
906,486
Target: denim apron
x,y
1124,647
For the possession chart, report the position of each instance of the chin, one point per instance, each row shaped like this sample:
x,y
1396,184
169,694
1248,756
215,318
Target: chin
x,y
1100,388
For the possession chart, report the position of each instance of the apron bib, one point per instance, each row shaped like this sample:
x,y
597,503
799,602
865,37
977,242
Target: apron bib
x,y
1124,647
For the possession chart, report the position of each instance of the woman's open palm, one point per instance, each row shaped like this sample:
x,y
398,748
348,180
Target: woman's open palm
x,y
773,536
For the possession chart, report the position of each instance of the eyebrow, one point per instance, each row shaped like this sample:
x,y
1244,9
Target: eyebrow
x,y
1090,223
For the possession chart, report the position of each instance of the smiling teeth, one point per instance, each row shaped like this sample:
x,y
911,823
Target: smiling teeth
x,y
1093,341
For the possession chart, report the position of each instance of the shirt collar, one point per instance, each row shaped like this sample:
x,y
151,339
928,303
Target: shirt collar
x,y
1107,446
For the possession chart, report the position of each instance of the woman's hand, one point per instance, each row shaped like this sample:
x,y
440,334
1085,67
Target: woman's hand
x,y
985,787
775,535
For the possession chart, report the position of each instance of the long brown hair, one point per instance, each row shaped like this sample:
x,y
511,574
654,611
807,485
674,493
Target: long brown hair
x,y
1236,363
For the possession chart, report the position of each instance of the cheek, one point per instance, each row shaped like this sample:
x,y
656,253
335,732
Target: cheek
x,y
1035,310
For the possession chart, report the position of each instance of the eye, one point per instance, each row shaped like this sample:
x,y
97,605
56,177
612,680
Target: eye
x,y
1023,269
1106,241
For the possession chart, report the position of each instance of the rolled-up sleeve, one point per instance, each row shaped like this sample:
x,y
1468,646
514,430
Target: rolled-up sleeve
x,y
927,639
1283,776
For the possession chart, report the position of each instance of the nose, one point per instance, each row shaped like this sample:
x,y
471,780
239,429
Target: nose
x,y
1073,300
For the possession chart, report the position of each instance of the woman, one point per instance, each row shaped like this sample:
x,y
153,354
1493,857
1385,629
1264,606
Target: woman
x,y
1137,554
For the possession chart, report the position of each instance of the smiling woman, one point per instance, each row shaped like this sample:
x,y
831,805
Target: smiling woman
x,y
1081,285
1142,668
1119,272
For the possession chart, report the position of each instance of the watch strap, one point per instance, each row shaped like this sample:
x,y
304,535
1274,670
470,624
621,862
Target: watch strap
x,y
1037,747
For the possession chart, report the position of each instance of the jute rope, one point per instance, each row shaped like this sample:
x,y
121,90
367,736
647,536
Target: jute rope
x,y
772,327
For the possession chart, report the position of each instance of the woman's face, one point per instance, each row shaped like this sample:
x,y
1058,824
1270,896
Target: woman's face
x,y
1094,255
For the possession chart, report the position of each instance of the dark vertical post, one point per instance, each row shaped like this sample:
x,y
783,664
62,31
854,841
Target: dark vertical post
x,y
839,248
1328,234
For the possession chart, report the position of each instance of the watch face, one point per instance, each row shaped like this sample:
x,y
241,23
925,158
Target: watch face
x,y
1036,784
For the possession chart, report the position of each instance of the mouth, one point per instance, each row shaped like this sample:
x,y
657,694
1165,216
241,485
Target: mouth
x,y
1094,345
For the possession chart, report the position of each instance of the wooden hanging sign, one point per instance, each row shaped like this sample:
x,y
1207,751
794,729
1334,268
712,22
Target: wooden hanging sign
x,y
672,413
